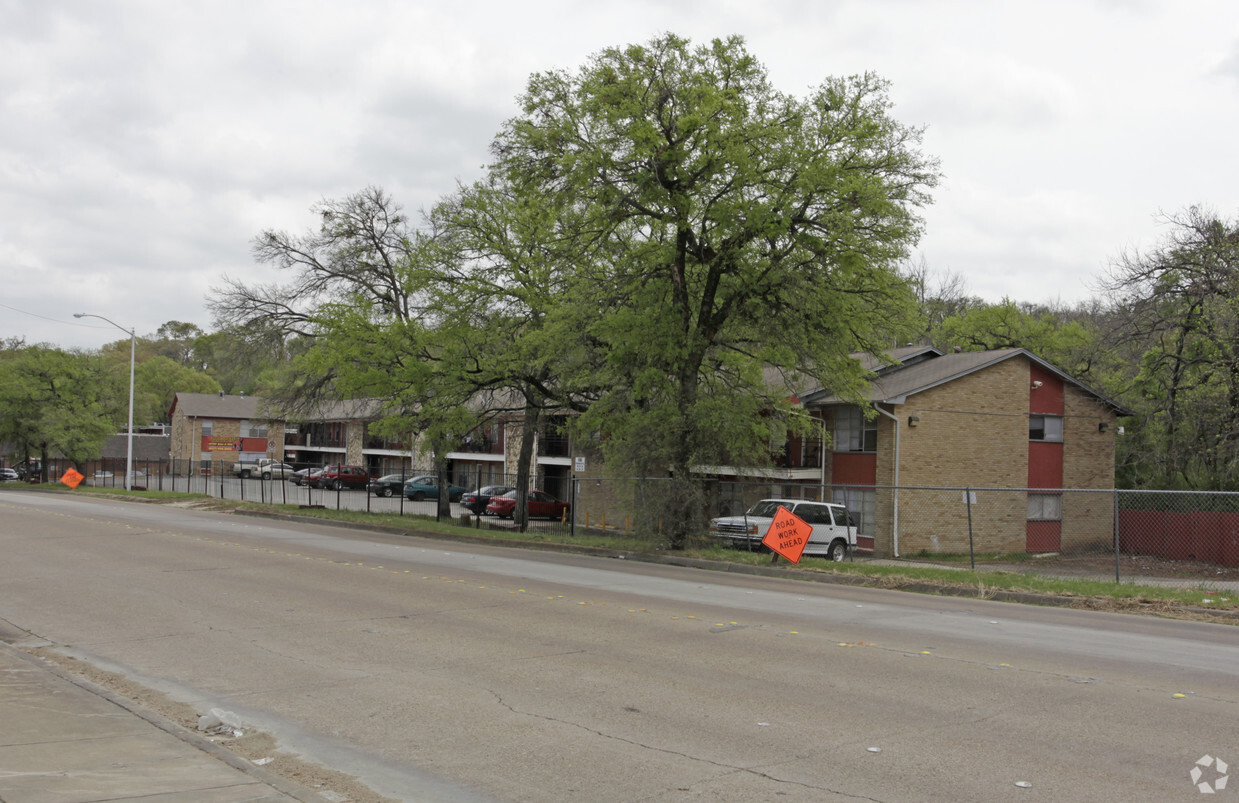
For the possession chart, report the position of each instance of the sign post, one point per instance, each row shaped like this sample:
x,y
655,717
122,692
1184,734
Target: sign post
x,y
788,535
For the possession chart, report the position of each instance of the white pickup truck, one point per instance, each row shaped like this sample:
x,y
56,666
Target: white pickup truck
x,y
834,531
264,467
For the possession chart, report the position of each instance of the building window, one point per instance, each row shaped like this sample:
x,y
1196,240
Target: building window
x,y
1045,507
1045,428
862,505
253,429
207,428
853,433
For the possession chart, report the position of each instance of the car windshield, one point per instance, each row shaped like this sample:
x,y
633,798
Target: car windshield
x,y
764,509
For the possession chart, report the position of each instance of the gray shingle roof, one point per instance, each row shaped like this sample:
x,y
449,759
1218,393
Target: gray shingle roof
x,y
214,405
894,385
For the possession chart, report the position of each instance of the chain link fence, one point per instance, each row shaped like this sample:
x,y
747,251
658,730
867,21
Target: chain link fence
x,y
1177,538
1153,537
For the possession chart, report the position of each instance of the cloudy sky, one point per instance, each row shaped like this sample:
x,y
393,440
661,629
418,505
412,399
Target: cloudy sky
x,y
144,143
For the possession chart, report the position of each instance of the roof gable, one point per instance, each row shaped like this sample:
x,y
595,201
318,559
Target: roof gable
x,y
218,405
894,384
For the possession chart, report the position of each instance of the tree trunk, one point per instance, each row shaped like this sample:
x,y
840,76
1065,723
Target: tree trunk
x,y
444,508
528,432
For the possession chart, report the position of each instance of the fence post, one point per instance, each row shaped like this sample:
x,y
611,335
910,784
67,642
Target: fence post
x,y
572,501
972,558
1117,572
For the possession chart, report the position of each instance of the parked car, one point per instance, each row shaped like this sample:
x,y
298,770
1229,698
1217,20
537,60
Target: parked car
x,y
427,487
103,474
477,501
303,476
116,479
8,475
264,467
540,504
834,531
387,485
339,477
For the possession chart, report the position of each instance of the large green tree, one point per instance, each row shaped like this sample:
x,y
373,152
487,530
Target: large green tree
x,y
484,340
54,401
726,227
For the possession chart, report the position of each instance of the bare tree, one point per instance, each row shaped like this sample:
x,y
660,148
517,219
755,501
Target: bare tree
x,y
362,249
1178,309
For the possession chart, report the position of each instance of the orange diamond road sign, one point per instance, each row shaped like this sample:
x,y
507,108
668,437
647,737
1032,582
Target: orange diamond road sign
x,y
788,534
72,478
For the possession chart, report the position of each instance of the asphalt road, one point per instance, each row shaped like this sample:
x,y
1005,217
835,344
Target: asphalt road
x,y
446,672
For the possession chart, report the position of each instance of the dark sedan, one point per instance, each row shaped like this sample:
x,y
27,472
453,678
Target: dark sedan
x,y
304,476
387,485
477,501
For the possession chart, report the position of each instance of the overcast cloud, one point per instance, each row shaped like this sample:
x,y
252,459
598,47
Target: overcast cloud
x,y
144,144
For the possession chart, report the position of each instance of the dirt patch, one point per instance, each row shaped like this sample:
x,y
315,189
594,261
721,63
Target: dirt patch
x,y
1097,564
254,745
1133,605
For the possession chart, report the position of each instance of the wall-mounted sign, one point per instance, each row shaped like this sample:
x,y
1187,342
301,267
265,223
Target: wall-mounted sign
x,y
212,444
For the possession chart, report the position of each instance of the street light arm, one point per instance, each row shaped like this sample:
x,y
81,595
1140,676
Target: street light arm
x,y
132,360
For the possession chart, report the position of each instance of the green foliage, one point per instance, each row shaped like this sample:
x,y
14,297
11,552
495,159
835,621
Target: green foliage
x,y
157,380
59,401
1179,306
1068,344
722,227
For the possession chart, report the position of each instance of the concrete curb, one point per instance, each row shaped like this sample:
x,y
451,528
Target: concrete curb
x,y
167,726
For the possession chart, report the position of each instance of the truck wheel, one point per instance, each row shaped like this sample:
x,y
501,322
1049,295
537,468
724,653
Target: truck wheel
x,y
245,475
838,550
266,475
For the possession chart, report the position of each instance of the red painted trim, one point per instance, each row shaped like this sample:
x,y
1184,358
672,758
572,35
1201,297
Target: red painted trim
x,y
853,468
1044,536
1045,465
1048,398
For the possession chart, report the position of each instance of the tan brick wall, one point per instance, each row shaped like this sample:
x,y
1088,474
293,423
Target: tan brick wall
x,y
971,432
1088,453
1088,462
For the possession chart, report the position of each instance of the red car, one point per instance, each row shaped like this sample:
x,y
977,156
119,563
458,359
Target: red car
x,y
338,477
540,504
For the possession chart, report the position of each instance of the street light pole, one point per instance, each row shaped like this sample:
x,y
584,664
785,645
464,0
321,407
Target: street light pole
x,y
132,354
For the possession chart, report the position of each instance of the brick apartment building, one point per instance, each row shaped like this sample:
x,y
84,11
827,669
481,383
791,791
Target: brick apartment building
x,y
989,420
1002,419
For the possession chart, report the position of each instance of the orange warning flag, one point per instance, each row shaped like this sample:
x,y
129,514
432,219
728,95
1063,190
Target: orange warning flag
x,y
788,534
72,478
